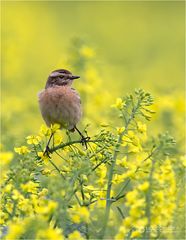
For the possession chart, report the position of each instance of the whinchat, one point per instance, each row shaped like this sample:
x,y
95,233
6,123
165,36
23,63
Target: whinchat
x,y
59,102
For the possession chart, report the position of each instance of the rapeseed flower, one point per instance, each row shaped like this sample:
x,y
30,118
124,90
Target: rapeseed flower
x,y
50,234
35,140
22,150
30,187
119,104
5,157
75,235
87,52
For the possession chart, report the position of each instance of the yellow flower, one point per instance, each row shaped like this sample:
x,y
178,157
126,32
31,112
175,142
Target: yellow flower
x,y
16,194
22,150
15,230
46,171
127,221
45,158
119,104
33,139
144,186
75,236
44,130
43,192
87,52
47,209
122,162
118,178
141,223
79,214
76,218
50,234
8,188
5,157
30,187
120,130
54,127
135,234
132,197
142,128
57,139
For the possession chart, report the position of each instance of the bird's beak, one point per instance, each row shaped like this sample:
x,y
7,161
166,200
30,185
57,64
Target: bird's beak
x,y
74,77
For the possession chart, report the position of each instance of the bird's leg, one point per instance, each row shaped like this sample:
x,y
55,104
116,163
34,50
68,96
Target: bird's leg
x,y
47,149
83,138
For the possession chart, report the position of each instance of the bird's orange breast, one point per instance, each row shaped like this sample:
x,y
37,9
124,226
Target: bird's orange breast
x,y
60,105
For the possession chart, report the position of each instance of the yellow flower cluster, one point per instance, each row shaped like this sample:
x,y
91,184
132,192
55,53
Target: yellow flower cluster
x,y
79,214
119,104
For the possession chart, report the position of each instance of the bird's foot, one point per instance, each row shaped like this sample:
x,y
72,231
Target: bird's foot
x,y
47,152
84,141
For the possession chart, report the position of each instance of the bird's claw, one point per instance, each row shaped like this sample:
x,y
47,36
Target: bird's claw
x,y
84,141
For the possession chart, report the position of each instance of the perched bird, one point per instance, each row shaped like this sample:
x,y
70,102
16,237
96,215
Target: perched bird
x,y
59,102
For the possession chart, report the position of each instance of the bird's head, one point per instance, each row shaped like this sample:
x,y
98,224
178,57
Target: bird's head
x,y
60,77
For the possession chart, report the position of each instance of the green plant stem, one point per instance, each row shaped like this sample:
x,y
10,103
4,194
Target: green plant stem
x,y
54,165
61,146
111,171
148,202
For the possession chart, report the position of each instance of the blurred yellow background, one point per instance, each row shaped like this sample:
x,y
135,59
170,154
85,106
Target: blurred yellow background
x,y
114,46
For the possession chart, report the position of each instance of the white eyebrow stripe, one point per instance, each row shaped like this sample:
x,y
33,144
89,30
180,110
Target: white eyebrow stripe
x,y
56,74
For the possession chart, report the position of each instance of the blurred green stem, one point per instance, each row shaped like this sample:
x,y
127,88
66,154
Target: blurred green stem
x,y
148,202
61,146
111,170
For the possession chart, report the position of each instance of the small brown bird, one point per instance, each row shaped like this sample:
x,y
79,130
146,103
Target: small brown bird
x,y
60,103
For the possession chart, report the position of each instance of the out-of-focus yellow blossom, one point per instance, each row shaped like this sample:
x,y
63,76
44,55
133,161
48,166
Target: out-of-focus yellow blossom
x,y
10,206
16,194
101,171
57,139
144,186
75,236
87,52
120,130
140,223
121,233
118,178
8,188
79,214
119,104
50,234
5,157
33,139
135,234
31,187
46,208
25,206
132,196
55,127
142,128
122,162
15,230
44,130
22,150
44,157
46,171
76,218
132,141
43,192
3,217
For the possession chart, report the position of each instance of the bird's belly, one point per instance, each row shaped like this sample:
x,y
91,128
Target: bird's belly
x,y
60,106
